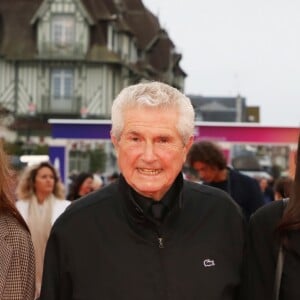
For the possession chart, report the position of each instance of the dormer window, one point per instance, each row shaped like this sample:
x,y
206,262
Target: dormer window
x,y
63,31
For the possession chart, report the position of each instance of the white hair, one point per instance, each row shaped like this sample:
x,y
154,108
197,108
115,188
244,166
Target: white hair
x,y
153,95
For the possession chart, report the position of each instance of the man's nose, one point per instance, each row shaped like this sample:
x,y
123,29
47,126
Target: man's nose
x,y
149,151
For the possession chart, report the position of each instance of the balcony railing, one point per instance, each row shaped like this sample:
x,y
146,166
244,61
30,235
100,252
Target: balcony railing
x,y
62,105
67,51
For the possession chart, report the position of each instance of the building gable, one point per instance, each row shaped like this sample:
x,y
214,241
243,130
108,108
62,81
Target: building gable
x,y
62,6
63,29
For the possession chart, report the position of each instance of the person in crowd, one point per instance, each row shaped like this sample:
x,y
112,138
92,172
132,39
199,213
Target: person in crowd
x,y
97,182
17,267
267,191
114,176
82,185
150,234
209,161
282,187
40,200
273,225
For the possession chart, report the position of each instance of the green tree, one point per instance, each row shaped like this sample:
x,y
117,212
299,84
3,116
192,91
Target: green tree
x,y
97,160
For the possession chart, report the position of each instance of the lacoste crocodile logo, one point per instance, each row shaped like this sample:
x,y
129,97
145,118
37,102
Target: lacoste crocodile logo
x,y
207,263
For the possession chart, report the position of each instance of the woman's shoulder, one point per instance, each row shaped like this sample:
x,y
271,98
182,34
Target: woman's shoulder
x,y
61,204
271,209
20,203
15,231
268,215
22,206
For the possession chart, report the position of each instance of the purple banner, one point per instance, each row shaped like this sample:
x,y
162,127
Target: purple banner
x,y
57,156
81,131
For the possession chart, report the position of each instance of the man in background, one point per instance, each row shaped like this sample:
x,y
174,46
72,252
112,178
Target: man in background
x,y
209,161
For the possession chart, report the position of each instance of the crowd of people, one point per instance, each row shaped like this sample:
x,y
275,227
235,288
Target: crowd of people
x,y
150,233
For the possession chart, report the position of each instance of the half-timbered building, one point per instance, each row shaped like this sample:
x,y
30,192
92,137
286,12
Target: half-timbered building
x,y
70,58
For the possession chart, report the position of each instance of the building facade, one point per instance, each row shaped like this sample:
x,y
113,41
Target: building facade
x,y
70,58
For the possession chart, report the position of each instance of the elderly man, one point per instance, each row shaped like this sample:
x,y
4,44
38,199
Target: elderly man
x,y
150,234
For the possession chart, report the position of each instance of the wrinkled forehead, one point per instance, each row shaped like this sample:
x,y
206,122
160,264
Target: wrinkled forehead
x,y
157,114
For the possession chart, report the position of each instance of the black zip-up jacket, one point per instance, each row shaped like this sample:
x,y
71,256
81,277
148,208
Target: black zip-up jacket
x,y
104,247
263,247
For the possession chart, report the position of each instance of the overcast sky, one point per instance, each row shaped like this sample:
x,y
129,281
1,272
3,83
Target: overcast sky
x,y
231,47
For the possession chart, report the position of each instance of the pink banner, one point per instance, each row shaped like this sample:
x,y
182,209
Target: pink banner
x,y
251,134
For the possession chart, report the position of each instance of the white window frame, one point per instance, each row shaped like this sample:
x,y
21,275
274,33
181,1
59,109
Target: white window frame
x,y
63,30
62,90
62,83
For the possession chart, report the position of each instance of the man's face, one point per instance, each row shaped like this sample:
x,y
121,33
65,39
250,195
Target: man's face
x,y
206,172
150,151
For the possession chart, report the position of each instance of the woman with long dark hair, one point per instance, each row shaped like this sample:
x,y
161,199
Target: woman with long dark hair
x,y
81,186
274,241
17,267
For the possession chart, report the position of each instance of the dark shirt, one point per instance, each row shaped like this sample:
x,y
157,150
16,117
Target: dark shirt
x,y
223,185
268,195
243,189
166,203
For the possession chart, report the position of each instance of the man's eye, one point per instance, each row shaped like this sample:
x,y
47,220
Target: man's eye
x,y
134,139
163,140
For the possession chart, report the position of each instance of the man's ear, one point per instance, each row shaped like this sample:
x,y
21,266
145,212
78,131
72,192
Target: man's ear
x,y
114,141
189,143
188,146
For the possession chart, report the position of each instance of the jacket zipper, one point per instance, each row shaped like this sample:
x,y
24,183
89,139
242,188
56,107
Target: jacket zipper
x,y
160,242
161,254
160,239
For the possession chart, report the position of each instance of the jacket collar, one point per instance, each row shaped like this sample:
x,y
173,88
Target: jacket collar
x,y
136,212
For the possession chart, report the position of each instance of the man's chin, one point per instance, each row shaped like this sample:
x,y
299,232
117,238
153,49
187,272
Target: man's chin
x,y
147,192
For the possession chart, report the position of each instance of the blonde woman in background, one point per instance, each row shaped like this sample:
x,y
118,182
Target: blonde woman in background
x,y
41,200
17,270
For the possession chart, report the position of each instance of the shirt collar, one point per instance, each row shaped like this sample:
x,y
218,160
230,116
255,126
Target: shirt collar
x,y
168,200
